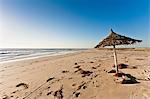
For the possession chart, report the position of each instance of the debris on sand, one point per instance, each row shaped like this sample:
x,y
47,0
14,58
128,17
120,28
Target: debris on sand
x,y
80,86
86,73
91,62
65,71
83,72
128,79
129,82
49,93
139,59
132,67
77,67
76,63
59,93
112,71
74,84
119,74
93,67
70,78
84,87
77,94
51,78
23,84
121,66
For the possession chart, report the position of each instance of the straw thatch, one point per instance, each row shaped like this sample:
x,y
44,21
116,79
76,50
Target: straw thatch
x,y
116,39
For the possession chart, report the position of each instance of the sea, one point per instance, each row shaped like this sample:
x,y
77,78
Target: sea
x,y
13,54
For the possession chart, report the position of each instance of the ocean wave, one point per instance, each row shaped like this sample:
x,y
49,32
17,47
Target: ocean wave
x,y
12,54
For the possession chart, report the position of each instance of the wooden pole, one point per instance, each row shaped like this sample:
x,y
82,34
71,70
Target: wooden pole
x,y
115,59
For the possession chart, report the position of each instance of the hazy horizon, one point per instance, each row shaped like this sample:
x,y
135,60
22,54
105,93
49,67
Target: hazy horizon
x,y
71,23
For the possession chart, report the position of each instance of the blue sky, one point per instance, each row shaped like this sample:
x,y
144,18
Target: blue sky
x,y
71,23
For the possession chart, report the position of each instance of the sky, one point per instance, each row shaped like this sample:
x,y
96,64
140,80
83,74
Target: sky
x,y
71,23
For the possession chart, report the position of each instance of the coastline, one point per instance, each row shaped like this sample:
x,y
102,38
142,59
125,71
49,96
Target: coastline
x,y
28,57
35,72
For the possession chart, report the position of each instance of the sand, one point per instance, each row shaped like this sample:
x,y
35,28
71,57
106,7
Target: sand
x,y
81,75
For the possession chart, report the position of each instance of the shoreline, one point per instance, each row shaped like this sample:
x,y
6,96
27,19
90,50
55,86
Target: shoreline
x,y
36,57
62,70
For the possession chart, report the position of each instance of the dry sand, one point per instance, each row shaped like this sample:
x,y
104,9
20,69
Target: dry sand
x,y
82,75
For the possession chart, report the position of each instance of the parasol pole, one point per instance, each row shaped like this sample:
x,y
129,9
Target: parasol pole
x,y
115,58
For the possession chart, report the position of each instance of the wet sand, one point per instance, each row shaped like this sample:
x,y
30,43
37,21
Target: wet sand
x,y
81,75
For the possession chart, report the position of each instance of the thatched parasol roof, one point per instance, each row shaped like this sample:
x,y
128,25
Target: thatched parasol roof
x,y
116,39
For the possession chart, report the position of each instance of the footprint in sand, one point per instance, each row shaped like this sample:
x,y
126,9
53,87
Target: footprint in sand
x,y
49,93
5,97
77,94
2,70
22,86
94,68
59,93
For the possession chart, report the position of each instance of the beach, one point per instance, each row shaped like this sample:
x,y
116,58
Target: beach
x,y
80,75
